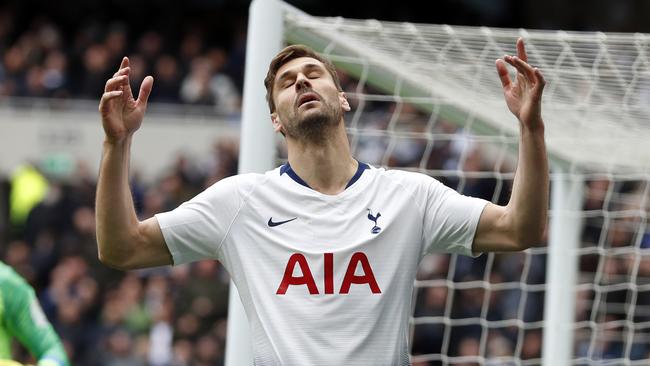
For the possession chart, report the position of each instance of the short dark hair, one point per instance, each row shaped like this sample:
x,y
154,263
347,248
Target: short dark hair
x,y
287,54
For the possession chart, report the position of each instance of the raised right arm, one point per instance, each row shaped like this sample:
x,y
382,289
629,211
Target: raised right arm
x,y
123,241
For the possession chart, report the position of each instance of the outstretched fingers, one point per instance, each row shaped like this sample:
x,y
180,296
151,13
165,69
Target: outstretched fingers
x,y
124,67
110,95
521,49
541,82
502,70
124,63
522,67
145,90
116,83
106,98
124,70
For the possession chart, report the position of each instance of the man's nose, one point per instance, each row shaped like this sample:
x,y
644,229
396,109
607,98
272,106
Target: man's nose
x,y
302,82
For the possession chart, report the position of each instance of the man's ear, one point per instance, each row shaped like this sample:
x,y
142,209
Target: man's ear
x,y
275,120
343,99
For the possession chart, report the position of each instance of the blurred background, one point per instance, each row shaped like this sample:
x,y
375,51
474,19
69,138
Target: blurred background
x,y
54,60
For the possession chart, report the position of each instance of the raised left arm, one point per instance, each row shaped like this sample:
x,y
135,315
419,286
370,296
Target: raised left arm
x,y
521,223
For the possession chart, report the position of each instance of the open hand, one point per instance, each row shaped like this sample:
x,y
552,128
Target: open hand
x,y
121,114
524,94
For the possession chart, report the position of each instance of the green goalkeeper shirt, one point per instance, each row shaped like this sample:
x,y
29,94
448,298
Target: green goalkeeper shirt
x,y
21,316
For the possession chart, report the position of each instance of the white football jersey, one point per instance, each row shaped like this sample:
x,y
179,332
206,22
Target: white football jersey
x,y
324,279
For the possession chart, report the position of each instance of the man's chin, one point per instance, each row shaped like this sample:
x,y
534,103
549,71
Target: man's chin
x,y
311,115
312,125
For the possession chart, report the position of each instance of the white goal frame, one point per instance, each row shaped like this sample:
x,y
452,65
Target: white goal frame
x,y
257,146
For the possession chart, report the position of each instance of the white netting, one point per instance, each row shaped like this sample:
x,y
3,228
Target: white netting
x,y
613,290
596,105
427,98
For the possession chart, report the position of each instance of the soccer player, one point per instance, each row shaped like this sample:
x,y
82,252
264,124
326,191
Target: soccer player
x,y
21,316
323,249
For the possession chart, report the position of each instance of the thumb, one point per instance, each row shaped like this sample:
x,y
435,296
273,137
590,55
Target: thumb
x,y
145,90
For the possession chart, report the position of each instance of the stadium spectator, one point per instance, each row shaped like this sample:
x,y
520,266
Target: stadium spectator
x,y
206,85
167,76
44,61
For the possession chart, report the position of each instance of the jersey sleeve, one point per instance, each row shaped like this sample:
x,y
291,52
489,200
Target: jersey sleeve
x,y
450,219
196,229
26,321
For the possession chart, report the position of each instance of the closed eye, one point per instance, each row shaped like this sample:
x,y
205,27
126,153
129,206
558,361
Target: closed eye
x,y
288,78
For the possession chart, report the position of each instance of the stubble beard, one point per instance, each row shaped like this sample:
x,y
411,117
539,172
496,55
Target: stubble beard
x,y
315,126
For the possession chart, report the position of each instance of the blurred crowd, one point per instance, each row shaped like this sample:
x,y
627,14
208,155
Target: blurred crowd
x,y
39,60
166,316
162,316
176,316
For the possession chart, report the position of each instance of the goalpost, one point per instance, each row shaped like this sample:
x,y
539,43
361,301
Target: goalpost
x,y
427,98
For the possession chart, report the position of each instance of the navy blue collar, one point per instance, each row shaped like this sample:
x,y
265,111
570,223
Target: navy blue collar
x,y
286,168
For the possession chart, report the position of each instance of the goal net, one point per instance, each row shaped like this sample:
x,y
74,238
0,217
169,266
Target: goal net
x,y
427,98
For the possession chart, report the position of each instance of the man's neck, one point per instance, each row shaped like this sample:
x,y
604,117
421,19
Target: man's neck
x,y
326,167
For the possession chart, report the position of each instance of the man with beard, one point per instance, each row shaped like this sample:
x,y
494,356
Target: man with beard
x,y
323,249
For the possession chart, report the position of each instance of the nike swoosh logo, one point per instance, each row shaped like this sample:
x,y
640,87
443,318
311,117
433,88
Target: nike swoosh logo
x,y
276,223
